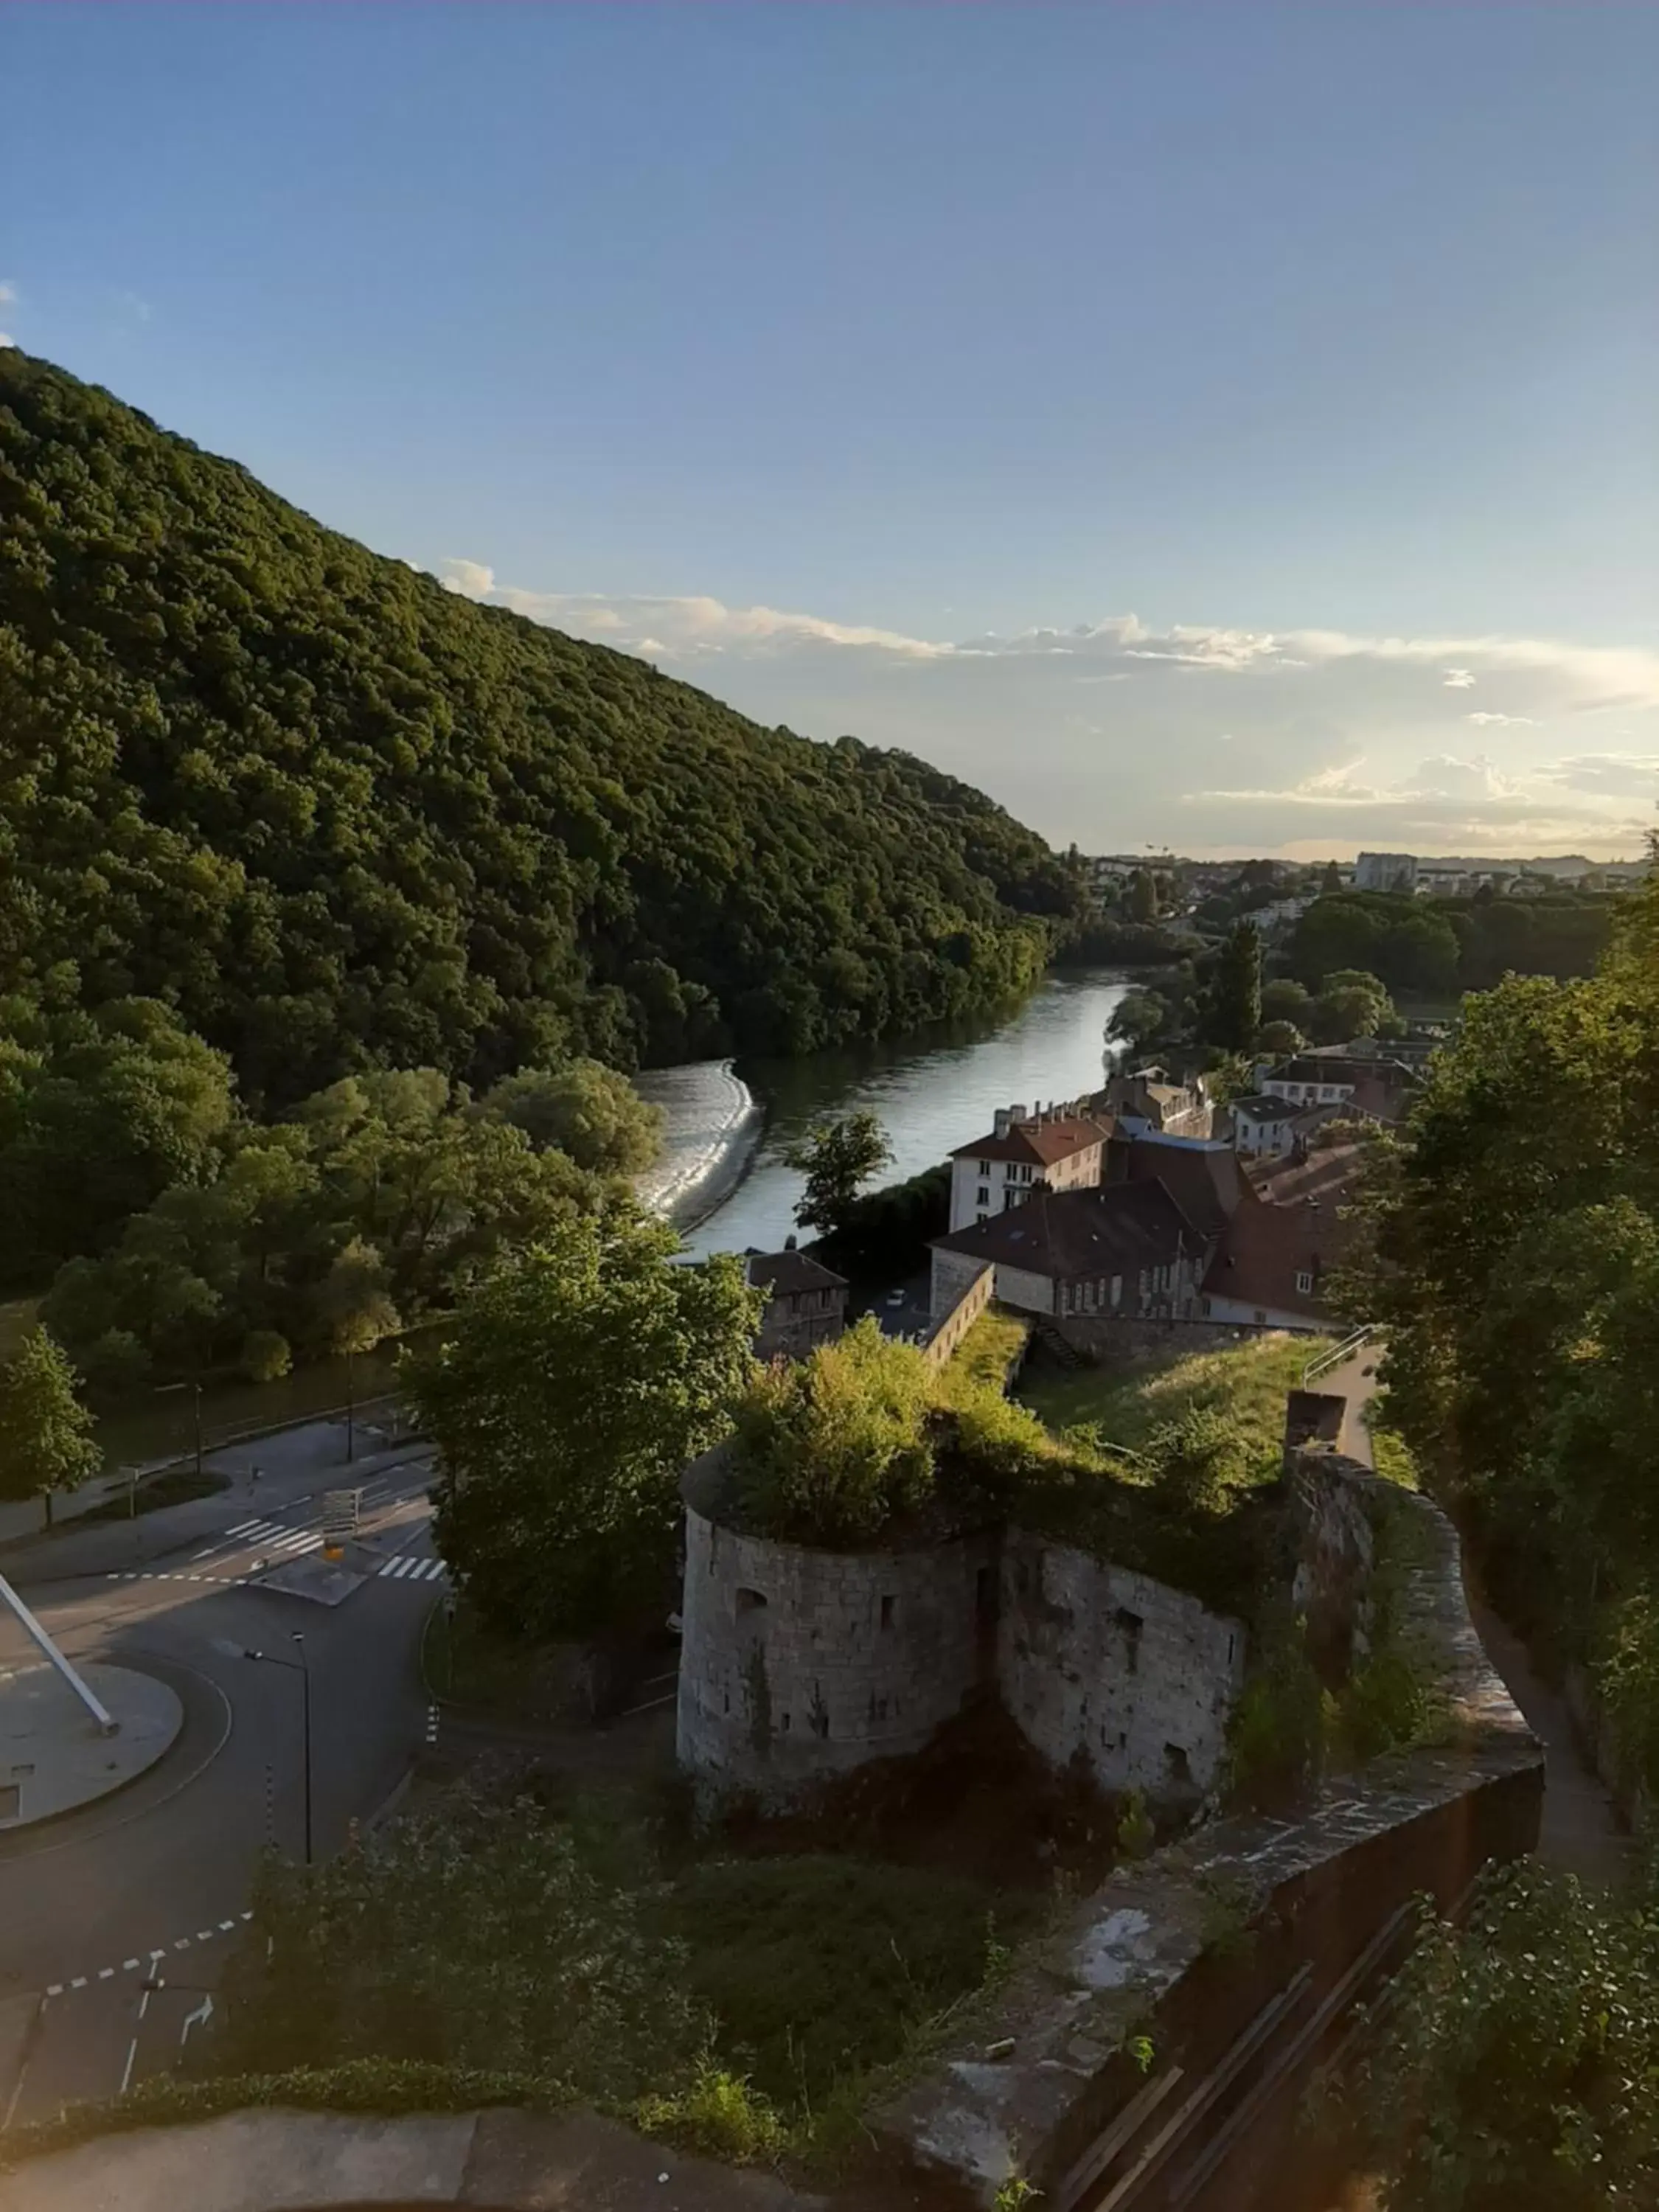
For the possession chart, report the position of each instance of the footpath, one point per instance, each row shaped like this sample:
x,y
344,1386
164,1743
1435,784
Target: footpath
x,y
1581,1832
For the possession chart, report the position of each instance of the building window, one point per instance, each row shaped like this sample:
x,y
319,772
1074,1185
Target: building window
x,y
984,1195
984,1169
1305,1283
1117,1292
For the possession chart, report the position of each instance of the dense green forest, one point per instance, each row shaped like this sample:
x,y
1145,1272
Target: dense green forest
x,y
1439,948
334,816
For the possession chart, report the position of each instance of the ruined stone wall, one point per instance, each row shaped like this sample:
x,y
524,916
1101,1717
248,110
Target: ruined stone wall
x,y
1096,1660
799,1665
1229,1955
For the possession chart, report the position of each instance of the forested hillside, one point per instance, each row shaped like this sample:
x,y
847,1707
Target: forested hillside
x,y
335,817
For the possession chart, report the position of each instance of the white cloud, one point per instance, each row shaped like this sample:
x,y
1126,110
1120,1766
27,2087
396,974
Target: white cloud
x,y
7,339
8,295
1330,734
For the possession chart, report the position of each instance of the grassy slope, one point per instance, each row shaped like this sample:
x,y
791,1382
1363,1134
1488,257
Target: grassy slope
x,y
1249,1380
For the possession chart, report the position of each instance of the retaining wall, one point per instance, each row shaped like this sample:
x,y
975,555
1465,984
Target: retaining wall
x,y
1245,1921
1098,1663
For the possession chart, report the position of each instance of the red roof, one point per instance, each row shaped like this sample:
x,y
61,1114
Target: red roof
x,y
1295,1227
1038,1143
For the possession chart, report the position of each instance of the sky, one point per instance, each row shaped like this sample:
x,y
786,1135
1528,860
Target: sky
x,y
1229,427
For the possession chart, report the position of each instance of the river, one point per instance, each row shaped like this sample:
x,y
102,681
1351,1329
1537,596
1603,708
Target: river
x,y
722,1177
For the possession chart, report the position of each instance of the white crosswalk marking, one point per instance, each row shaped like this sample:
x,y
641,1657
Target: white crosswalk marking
x,y
406,1567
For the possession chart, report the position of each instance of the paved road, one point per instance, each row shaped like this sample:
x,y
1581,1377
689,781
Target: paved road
x,y
152,1885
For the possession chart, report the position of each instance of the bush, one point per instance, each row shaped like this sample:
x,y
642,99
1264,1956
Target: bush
x,y
474,1935
1513,2068
115,1365
266,1357
717,2114
1199,1458
833,1446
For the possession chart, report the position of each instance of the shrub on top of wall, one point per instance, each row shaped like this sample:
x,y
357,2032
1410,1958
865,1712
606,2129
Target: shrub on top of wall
x,y
835,1447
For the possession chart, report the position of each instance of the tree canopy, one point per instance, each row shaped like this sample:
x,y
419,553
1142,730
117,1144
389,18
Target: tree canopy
x,y
45,1432
1518,1230
335,816
578,1381
837,1159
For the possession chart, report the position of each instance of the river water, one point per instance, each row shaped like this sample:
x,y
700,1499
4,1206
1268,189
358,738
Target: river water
x,y
722,1177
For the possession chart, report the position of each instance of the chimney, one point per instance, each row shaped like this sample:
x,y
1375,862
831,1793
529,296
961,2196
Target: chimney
x,y
1000,1120
1017,1113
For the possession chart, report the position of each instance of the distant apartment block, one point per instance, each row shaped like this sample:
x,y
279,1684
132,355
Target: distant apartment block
x,y
1385,871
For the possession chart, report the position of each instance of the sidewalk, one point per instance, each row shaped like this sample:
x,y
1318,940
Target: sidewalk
x,y
1580,1833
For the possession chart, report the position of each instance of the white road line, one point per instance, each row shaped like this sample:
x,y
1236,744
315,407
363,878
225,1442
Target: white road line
x,y
226,1926
128,1966
106,1973
54,1989
401,1569
79,1983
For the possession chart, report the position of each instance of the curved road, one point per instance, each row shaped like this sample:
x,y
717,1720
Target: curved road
x,y
151,1885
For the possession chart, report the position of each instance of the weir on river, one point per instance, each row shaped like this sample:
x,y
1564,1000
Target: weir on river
x,y
722,1177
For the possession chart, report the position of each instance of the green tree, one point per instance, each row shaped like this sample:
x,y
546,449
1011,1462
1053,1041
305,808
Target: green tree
x,y
45,1432
1331,882
579,1380
1138,1019
1353,1005
1279,1040
474,1934
1235,1011
1142,896
356,1300
837,1159
588,1111
1285,1000
1511,2070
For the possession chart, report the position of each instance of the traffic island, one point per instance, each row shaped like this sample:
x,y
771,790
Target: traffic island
x,y
55,1755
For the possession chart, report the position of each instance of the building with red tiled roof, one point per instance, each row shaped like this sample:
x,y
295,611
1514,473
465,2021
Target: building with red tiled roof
x,y
1127,1250
1270,1268
1061,1148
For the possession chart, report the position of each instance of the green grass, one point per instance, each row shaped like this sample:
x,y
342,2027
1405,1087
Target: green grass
x,y
1250,1381
986,1352
1391,1455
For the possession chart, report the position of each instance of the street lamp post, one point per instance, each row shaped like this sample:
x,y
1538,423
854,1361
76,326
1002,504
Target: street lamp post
x,y
351,1404
301,1668
166,1391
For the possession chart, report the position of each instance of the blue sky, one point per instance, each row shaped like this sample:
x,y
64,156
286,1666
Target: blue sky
x,y
1229,426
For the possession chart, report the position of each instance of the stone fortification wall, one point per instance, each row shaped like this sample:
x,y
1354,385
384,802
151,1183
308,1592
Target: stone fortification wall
x,y
1137,1678
799,1665
1228,1959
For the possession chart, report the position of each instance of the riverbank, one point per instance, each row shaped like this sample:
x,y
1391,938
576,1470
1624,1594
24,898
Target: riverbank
x,y
724,1179
711,1126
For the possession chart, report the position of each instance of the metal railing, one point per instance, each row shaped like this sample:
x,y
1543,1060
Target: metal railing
x,y
1323,1362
